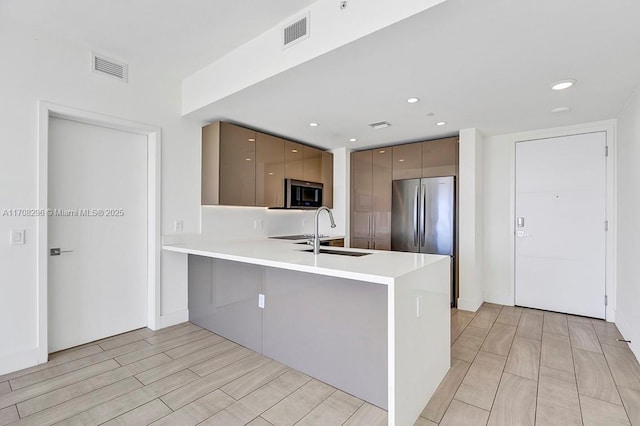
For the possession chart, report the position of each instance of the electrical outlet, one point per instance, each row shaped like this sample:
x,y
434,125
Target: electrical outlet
x,y
261,301
178,226
257,224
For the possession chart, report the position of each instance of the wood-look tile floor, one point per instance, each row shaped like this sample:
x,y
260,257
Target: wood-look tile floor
x,y
509,366
518,366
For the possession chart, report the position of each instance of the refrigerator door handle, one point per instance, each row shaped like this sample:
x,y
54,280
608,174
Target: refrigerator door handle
x,y
415,217
423,218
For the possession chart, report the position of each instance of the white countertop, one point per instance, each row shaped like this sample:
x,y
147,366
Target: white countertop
x,y
380,267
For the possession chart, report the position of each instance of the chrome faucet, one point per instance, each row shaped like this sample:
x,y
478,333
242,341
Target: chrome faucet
x,y
316,237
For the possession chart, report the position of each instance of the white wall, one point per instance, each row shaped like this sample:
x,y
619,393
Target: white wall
x,y
628,268
41,67
470,220
499,205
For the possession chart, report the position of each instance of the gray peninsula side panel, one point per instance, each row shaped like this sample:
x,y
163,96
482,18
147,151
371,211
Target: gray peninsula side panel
x,y
223,298
333,329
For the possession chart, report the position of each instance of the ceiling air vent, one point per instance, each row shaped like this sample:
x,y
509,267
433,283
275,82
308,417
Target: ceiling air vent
x,y
105,66
380,125
295,32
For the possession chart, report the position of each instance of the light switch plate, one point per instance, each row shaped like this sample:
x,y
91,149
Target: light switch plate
x,y
17,237
261,301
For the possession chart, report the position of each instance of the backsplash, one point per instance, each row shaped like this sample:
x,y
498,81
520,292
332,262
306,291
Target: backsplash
x,y
227,222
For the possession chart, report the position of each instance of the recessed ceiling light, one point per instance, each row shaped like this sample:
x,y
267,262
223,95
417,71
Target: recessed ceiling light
x,y
248,159
561,109
563,84
401,160
270,173
313,124
382,151
294,150
413,100
251,139
353,140
441,123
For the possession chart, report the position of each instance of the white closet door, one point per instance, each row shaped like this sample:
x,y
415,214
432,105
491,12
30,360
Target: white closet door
x,y
97,285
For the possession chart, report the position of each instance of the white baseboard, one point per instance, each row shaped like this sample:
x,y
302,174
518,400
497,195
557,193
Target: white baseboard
x,y
627,332
469,304
174,318
499,299
18,360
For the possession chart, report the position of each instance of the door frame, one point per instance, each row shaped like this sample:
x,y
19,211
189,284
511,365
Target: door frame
x,y
47,110
609,128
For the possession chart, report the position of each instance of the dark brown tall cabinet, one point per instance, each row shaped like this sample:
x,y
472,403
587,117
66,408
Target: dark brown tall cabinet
x,y
371,175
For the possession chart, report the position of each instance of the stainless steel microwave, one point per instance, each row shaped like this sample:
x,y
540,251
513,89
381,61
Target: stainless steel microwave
x,y
299,194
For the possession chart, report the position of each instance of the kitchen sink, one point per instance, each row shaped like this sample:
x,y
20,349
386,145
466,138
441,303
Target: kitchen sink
x,y
340,252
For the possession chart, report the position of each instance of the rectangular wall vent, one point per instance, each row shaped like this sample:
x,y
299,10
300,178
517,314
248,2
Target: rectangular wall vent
x,y
380,125
295,32
106,66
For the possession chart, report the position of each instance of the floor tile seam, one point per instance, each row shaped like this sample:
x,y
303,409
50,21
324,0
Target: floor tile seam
x,y
67,385
79,396
472,405
617,387
188,343
265,384
225,366
352,414
182,369
52,366
146,339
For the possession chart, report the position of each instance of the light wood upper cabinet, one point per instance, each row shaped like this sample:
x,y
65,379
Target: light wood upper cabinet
x,y
238,165
243,167
312,164
293,160
269,170
327,179
407,161
440,157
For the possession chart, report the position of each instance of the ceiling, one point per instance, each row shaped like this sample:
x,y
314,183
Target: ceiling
x,y
179,36
485,64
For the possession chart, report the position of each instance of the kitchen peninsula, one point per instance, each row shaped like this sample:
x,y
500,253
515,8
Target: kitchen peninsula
x,y
374,325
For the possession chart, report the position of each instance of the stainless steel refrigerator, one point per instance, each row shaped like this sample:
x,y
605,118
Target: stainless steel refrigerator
x,y
423,217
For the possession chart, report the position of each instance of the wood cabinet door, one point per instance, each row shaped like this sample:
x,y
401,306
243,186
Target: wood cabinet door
x,y
361,194
210,175
440,157
327,179
312,164
293,160
381,196
407,161
237,165
269,171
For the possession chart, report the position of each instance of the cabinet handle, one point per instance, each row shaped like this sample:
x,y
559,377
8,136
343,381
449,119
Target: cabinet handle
x,y
368,225
374,228
374,245
368,244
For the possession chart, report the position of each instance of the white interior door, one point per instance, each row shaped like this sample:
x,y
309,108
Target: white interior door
x,y
560,224
97,285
